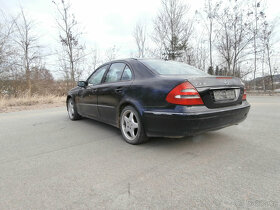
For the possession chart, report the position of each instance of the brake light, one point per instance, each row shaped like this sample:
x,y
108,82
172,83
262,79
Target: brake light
x,y
244,97
184,94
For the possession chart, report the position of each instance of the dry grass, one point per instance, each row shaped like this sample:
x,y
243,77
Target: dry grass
x,y
24,102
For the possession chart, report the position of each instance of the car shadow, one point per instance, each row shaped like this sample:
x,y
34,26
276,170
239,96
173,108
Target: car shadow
x,y
102,126
205,138
201,139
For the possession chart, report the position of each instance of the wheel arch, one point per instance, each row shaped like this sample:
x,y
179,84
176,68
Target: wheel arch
x,y
123,104
67,99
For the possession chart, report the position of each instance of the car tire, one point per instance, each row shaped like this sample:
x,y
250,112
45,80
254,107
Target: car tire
x,y
131,126
72,110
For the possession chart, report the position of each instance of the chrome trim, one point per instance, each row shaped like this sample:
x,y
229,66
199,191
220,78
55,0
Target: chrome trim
x,y
112,107
224,87
200,112
85,104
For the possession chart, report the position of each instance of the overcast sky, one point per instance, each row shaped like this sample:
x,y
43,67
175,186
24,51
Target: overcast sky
x,y
105,22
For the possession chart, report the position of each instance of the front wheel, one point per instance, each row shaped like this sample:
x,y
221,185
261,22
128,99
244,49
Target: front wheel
x,y
72,110
131,126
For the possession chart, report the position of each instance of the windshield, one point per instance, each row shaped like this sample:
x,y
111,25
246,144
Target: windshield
x,y
172,68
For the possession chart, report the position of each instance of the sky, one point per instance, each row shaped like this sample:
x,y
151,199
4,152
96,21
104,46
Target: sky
x,y
105,23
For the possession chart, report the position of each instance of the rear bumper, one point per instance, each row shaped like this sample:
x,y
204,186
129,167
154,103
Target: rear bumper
x,y
192,120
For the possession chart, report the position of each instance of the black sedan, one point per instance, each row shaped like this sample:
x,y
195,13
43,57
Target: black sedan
x,y
158,98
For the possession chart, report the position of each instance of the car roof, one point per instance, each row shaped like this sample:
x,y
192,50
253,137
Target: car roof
x,y
140,70
132,60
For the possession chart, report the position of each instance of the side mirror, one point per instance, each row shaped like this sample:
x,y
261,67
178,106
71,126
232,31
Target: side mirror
x,y
82,84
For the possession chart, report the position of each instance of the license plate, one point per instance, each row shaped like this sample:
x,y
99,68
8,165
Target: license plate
x,y
221,95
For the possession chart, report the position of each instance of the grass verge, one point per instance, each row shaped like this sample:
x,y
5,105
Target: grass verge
x,y
8,104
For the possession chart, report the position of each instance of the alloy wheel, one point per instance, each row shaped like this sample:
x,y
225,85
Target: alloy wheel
x,y
130,125
71,110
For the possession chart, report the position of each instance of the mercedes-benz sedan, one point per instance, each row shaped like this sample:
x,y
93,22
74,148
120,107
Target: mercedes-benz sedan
x,y
157,98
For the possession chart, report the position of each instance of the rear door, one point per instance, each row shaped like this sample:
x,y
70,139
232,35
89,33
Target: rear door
x,y
87,103
117,80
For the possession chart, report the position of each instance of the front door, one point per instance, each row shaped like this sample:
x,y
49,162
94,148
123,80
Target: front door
x,y
87,103
117,80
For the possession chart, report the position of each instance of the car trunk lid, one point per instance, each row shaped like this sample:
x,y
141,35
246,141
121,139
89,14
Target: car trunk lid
x,y
216,91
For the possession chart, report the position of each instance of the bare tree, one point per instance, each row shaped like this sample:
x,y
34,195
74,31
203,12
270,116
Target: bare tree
x,y
172,29
94,60
211,10
111,53
233,36
200,53
258,13
29,48
268,45
6,48
140,36
69,35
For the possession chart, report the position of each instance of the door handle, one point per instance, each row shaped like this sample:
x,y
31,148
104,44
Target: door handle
x,y
119,90
93,90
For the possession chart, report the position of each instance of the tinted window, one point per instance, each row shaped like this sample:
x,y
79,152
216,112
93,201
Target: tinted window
x,y
97,76
115,72
127,74
172,67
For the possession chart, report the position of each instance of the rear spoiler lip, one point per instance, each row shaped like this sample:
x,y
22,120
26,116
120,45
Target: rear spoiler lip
x,y
224,87
218,88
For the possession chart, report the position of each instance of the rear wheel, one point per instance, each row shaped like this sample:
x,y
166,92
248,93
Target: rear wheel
x,y
131,126
72,110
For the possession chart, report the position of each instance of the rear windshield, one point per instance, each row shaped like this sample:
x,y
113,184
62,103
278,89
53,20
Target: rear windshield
x,y
172,68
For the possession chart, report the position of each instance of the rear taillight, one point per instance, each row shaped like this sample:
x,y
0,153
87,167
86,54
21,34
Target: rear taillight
x,y
244,97
184,94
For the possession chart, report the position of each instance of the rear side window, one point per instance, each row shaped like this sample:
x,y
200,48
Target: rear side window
x,y
115,72
172,68
127,74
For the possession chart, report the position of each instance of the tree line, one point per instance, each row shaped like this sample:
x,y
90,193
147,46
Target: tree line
x,y
231,38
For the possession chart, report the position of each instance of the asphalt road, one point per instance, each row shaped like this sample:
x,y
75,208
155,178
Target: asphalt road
x,y
50,162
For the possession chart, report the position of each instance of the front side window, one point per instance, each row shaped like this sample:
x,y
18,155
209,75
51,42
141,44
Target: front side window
x,y
115,72
97,76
